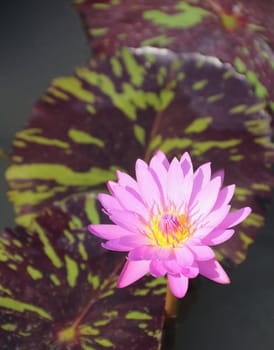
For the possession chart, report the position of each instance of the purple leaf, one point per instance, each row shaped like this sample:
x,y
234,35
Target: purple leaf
x,y
129,105
58,288
228,29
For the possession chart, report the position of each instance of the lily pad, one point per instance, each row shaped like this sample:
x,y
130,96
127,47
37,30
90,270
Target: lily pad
x,y
227,29
126,106
58,290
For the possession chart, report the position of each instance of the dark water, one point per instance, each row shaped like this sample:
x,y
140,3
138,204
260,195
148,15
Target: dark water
x,y
40,40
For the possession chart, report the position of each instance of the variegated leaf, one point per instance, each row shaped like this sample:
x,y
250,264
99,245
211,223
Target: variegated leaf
x,y
57,288
126,106
231,30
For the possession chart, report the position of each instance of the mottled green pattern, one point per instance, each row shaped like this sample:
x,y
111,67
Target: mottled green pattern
x,y
155,99
53,297
245,32
186,16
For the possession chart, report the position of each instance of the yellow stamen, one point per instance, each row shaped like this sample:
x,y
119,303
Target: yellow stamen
x,y
169,229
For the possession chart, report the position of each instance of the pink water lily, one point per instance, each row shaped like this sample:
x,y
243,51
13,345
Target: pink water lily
x,y
167,220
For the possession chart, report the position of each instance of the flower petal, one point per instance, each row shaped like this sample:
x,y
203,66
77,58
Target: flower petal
x,y
202,252
217,236
157,268
127,200
178,285
186,164
191,271
109,202
143,252
134,240
184,256
147,185
109,231
174,182
129,221
132,271
211,221
214,271
163,253
207,197
224,196
127,181
162,158
116,245
159,173
235,217
126,243
172,267
200,179
221,174
178,187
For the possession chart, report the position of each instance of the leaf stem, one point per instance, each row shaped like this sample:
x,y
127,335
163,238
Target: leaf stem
x,y
152,134
215,6
93,300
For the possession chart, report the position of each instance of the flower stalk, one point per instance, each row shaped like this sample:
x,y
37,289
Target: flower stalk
x,y
170,304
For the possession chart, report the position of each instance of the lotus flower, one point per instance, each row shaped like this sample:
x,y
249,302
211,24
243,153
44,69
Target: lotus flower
x,y
167,220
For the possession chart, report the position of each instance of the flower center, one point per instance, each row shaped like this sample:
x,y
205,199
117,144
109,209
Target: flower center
x,y
169,224
169,230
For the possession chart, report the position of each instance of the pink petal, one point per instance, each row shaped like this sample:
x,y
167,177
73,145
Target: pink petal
x,y
224,196
127,181
186,164
207,197
162,158
178,187
129,184
150,252
235,217
200,178
129,221
109,202
187,186
220,173
147,185
127,200
211,221
214,271
146,252
134,240
202,253
163,253
217,236
116,245
191,271
174,183
184,256
159,174
157,268
178,285
201,232
108,231
132,271
172,267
